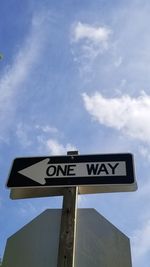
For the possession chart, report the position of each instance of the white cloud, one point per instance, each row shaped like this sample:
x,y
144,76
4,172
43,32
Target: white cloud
x,y
47,141
42,138
118,62
144,152
55,148
47,128
37,135
93,34
130,115
92,41
23,133
15,75
141,244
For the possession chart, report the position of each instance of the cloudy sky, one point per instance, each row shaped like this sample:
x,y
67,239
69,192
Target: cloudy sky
x,y
76,75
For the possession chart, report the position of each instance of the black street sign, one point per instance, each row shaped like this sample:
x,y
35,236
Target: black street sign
x,y
72,170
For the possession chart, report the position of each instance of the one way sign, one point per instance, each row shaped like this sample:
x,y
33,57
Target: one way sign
x,y
76,170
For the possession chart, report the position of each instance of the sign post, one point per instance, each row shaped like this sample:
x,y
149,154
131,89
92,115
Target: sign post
x,y
67,236
66,250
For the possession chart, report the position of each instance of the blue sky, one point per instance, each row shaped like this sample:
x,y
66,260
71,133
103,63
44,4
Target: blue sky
x,y
75,75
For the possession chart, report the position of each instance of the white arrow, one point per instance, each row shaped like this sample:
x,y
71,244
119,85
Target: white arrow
x,y
36,172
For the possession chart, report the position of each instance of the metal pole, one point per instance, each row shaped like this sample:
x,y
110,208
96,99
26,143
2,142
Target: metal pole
x,y
66,251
